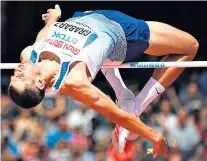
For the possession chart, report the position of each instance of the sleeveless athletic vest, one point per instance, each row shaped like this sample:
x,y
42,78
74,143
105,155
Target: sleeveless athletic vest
x,y
65,40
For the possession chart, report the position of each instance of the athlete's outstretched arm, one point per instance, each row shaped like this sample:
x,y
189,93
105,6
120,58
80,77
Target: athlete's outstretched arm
x,y
78,86
49,18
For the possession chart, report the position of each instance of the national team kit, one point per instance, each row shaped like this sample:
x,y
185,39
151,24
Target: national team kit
x,y
94,38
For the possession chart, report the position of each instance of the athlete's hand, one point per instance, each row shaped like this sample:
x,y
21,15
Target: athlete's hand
x,y
52,14
160,146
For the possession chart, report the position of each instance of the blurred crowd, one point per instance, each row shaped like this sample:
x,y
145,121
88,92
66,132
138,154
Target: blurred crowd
x,y
61,129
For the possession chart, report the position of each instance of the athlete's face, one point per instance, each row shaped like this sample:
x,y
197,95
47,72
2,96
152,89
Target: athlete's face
x,y
25,73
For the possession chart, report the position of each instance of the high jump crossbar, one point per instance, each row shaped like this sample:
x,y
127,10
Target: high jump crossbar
x,y
185,64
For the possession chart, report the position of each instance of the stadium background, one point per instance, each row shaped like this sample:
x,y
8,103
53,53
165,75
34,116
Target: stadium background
x,y
61,129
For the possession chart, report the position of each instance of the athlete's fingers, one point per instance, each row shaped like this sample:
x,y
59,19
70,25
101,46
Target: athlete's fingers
x,y
57,6
45,15
161,149
156,154
150,151
49,10
45,19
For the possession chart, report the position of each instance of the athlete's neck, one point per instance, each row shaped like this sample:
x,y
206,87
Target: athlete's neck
x,y
48,69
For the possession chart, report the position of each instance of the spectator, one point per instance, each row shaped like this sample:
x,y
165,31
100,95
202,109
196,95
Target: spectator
x,y
102,143
140,151
81,116
152,122
43,153
201,124
49,110
61,152
5,153
79,141
6,128
199,154
29,150
174,152
52,106
173,98
192,98
8,109
62,133
166,118
185,133
26,126
202,82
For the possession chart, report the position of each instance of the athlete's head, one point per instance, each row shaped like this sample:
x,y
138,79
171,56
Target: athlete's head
x,y
26,88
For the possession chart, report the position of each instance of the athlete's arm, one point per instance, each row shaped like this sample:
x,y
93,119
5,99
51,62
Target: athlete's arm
x,y
52,15
49,18
78,86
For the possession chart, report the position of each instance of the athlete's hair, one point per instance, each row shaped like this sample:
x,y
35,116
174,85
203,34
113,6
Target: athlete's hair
x,y
30,97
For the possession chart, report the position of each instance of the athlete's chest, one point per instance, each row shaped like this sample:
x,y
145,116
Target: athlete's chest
x,y
71,33
67,39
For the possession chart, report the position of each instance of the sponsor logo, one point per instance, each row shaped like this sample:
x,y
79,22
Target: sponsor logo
x,y
71,48
56,43
73,28
157,91
62,45
65,37
148,65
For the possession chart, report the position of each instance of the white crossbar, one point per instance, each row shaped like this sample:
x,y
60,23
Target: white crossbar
x,y
186,64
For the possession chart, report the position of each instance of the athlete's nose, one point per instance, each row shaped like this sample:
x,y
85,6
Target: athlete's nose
x,y
18,74
17,69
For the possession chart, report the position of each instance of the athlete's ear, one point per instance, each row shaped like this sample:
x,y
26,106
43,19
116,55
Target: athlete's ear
x,y
40,83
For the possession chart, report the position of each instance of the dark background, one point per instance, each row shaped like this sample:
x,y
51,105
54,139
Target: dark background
x,y
21,21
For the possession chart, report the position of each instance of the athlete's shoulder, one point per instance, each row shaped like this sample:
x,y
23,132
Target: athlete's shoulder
x,y
26,52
